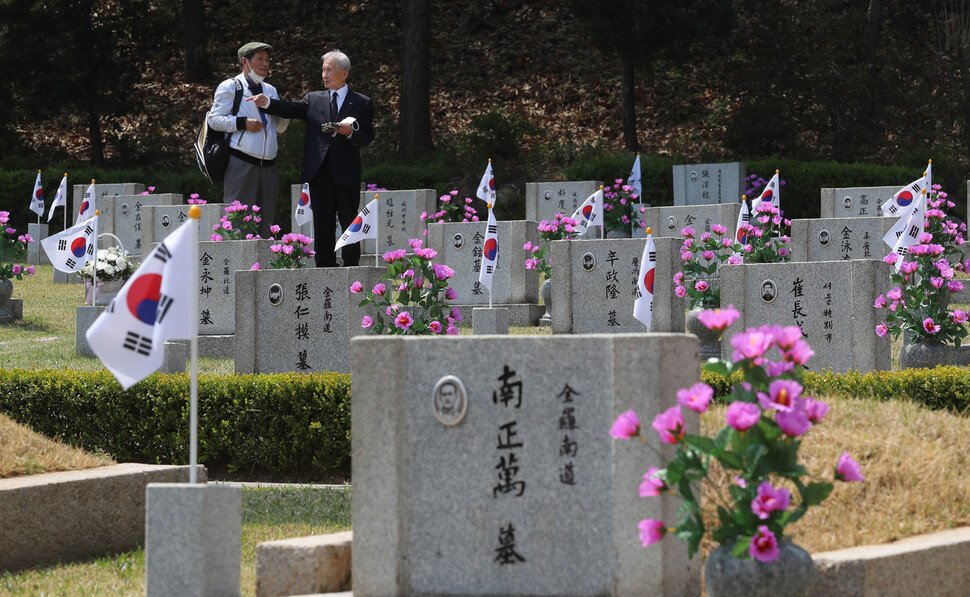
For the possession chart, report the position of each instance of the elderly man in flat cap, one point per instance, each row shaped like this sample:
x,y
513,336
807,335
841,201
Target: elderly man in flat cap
x,y
251,177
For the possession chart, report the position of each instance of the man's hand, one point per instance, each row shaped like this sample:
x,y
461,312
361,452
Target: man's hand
x,y
344,129
253,125
261,100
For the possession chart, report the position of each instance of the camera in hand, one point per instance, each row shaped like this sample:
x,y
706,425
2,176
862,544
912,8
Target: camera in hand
x,y
329,127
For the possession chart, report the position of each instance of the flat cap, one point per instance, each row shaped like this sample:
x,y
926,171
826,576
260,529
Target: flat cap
x,y
251,47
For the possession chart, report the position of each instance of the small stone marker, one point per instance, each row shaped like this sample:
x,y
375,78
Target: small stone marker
x,y
832,239
594,286
669,221
703,184
830,300
36,255
193,539
543,200
855,202
487,320
299,319
502,478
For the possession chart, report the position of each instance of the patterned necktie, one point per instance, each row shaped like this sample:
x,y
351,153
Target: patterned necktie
x,y
333,106
256,89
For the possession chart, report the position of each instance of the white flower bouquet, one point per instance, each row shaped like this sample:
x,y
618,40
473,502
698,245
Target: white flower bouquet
x,y
113,264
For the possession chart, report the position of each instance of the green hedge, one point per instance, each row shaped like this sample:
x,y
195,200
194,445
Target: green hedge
x,y
940,388
270,422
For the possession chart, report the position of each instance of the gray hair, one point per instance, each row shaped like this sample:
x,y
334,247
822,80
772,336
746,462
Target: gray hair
x,y
339,57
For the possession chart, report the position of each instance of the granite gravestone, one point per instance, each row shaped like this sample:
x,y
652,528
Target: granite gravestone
x,y
830,300
855,202
399,218
543,200
832,239
502,478
669,221
594,286
158,221
298,319
36,255
703,184
459,245
125,214
102,192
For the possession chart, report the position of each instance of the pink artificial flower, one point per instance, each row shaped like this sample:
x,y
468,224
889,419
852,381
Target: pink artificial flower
x,y
764,545
936,282
908,267
782,394
255,266
527,246
929,326
880,302
740,482
680,291
403,320
356,287
15,269
894,294
751,344
779,369
735,260
848,469
709,255
670,425
794,422
379,289
435,327
426,253
456,314
959,316
718,319
651,531
882,330
367,322
891,258
30,270
274,229
652,484
216,237
815,410
688,232
799,353
743,415
954,286
700,286
627,425
697,397
769,500
415,243
450,294
451,331
441,271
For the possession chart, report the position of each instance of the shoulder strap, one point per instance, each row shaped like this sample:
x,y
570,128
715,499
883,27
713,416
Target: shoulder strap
x,y
238,97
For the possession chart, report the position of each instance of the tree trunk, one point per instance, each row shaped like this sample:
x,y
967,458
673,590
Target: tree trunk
x,y
194,41
97,142
629,103
415,108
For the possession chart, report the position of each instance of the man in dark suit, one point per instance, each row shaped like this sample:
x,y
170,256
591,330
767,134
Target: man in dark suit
x,y
331,156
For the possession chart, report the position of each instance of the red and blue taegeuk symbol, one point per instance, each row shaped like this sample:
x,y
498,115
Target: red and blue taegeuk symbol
x,y
587,211
84,208
767,196
356,224
648,279
78,246
904,198
143,295
742,236
39,195
304,198
491,249
491,184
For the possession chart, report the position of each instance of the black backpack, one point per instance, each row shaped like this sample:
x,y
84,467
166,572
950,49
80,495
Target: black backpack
x,y
212,147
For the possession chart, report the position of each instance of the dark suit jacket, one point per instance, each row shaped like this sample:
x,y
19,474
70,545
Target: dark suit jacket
x,y
344,153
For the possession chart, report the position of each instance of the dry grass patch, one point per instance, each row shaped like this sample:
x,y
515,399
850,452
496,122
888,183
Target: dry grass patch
x,y
914,461
24,452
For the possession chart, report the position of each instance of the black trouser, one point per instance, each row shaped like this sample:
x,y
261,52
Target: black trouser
x,y
330,202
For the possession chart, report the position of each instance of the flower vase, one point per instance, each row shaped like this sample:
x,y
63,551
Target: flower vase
x,y
710,339
792,574
925,353
545,292
107,290
6,291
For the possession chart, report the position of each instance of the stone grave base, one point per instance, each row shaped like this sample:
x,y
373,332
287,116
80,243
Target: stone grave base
x,y
193,539
304,565
217,346
12,311
525,314
490,321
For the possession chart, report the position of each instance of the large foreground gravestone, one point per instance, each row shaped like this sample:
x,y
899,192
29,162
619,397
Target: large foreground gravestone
x,y
594,286
832,239
669,221
703,184
543,200
460,245
298,319
830,300
855,202
399,218
502,478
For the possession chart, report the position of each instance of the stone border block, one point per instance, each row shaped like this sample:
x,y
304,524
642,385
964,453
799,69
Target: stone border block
x,y
304,565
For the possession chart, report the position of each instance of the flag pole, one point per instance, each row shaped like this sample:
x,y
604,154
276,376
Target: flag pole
x,y
65,217
94,269
32,198
195,212
377,232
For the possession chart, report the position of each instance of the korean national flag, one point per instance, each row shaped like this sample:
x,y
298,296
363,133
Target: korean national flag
x,y
905,233
70,249
590,213
486,188
902,202
635,175
37,198
643,306
60,198
87,204
157,304
770,195
304,209
740,234
928,175
364,226
489,252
